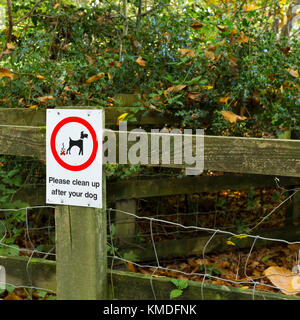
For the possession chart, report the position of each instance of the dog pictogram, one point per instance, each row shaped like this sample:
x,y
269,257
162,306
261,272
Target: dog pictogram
x,y
78,143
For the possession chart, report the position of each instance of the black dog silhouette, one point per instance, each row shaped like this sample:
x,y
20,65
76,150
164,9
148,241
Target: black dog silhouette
x,y
78,143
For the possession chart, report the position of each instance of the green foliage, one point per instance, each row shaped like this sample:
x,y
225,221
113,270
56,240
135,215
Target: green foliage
x,y
211,270
180,286
234,61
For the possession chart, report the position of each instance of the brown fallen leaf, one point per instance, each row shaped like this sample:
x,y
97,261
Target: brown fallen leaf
x,y
283,279
175,89
243,38
46,99
194,95
40,77
196,25
141,62
5,73
232,117
293,72
131,267
221,28
210,55
187,52
224,99
10,46
95,78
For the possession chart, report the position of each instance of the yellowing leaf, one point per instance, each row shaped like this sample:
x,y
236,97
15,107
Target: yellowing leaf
x,y
187,52
241,237
35,106
209,87
232,61
283,22
95,78
45,99
250,7
243,38
283,279
230,243
109,76
293,72
121,118
224,99
5,73
141,62
176,88
56,6
244,288
232,117
194,95
210,55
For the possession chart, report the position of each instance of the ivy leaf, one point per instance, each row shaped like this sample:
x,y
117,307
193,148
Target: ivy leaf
x,y
232,117
175,293
121,118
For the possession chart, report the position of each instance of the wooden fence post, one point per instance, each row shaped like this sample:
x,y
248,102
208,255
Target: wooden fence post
x,y
125,224
81,256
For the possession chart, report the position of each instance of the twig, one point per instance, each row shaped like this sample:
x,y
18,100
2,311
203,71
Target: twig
x,y
28,14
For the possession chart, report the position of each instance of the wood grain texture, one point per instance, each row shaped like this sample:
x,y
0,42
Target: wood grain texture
x,y
40,273
125,224
227,154
23,141
125,285
169,249
136,188
155,187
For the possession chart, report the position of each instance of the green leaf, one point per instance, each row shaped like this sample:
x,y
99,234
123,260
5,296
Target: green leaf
x,y
175,293
182,284
10,288
265,259
42,294
175,282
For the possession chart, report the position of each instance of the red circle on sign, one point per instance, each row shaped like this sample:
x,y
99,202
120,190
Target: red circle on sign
x,y
95,144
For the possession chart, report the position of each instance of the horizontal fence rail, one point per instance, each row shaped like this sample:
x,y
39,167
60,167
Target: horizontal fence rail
x,y
226,154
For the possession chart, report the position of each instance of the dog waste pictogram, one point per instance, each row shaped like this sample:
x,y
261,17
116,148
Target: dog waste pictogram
x,y
74,157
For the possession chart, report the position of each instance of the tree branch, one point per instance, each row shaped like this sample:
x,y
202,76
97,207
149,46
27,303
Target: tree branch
x,y
28,14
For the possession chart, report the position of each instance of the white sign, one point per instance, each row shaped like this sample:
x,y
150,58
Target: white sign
x,y
74,157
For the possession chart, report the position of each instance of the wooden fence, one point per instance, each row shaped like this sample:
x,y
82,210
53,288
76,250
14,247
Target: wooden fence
x,y
81,261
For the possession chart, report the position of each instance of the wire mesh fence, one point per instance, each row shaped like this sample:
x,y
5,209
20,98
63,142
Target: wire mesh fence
x,y
159,267
38,241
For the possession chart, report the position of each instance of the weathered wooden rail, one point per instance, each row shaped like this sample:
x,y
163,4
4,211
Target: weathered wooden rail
x,y
124,285
81,232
